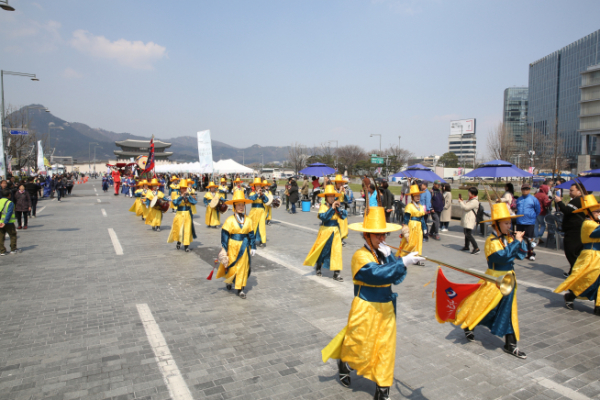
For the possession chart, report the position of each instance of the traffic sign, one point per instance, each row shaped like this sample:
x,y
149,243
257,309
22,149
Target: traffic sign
x,y
19,132
377,160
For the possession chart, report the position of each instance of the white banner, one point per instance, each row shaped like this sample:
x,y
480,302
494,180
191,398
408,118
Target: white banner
x,y
2,166
40,157
205,151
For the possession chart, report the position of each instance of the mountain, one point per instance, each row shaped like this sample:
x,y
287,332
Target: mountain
x,y
74,138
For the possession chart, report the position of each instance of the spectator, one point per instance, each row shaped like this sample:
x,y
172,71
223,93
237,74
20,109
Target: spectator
x,y
59,186
571,225
22,206
437,204
316,190
371,196
273,187
426,201
305,187
545,202
34,190
70,183
7,223
5,192
294,197
529,207
405,191
509,198
387,200
446,215
469,219
286,193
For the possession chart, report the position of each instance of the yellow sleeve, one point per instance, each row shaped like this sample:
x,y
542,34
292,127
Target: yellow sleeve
x,y
586,230
149,195
208,196
492,246
160,195
361,258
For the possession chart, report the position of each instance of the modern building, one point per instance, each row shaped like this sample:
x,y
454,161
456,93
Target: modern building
x,y
557,96
133,148
464,146
515,115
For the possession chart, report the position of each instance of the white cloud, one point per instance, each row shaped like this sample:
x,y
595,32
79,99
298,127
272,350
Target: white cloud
x,y
70,73
27,34
134,54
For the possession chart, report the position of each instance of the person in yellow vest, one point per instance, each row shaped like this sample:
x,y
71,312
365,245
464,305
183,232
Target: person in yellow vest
x,y
414,226
257,213
213,217
584,280
339,182
327,249
486,306
368,342
223,188
268,208
154,216
174,193
138,206
238,242
182,230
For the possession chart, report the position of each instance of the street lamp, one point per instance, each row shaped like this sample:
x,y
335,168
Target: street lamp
x,y
5,6
90,155
399,137
377,134
336,147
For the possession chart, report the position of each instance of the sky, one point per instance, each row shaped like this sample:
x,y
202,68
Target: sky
x,y
274,72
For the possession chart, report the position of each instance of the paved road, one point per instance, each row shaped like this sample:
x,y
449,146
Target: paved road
x,y
99,306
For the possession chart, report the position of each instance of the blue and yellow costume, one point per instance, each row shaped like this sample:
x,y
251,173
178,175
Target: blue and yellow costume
x,y
153,215
213,217
138,207
584,280
182,229
174,193
368,342
237,239
327,250
343,223
223,188
258,214
414,219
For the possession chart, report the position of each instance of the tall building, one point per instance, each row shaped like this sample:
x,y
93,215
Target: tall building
x,y
555,98
463,142
515,115
133,148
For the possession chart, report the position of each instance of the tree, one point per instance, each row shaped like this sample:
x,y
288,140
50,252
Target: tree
x,y
501,143
449,160
21,150
297,156
349,156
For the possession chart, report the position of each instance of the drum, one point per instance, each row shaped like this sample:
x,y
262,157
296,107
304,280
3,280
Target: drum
x,y
141,162
153,202
270,197
222,208
163,205
276,202
214,203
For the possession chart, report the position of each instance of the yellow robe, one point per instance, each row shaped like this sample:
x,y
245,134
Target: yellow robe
x,y
213,217
138,205
258,216
268,213
222,190
343,223
154,216
415,238
192,192
237,270
325,232
182,229
174,194
587,267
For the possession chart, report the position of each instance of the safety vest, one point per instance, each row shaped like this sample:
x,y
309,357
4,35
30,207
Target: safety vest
x,y
3,206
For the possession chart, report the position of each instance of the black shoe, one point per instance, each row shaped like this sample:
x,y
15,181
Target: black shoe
x,y
178,245
596,310
382,393
269,222
343,243
469,334
186,248
228,286
158,229
465,249
153,228
344,373
318,272
569,299
566,274
511,347
337,277
475,251
241,294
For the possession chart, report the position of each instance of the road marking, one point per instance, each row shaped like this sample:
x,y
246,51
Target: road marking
x,y
96,194
565,391
95,190
98,200
40,210
104,212
297,226
178,389
115,242
480,241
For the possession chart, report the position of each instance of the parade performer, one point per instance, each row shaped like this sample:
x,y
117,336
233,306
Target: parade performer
x,y
213,217
182,229
238,243
192,192
116,175
139,207
154,215
237,185
327,250
584,280
163,183
257,213
368,342
174,193
105,182
223,188
268,208
414,226
339,182
486,306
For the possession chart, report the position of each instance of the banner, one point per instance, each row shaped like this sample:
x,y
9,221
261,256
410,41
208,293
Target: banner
x,y
40,157
2,165
449,295
150,161
205,151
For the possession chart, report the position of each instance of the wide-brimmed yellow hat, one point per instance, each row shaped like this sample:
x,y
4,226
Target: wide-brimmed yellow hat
x,y
414,189
184,183
211,185
340,178
374,222
174,178
500,211
266,183
223,180
257,182
143,182
139,183
237,180
154,182
330,191
238,197
588,202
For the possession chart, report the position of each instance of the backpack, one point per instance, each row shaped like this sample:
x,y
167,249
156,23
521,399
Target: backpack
x,y
479,213
513,204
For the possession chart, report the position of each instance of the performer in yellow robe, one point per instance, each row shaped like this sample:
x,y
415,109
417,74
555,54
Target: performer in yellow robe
x,y
213,217
174,193
138,207
414,225
223,188
486,306
182,229
190,192
237,185
339,182
327,249
257,213
584,280
268,208
368,343
237,240
154,216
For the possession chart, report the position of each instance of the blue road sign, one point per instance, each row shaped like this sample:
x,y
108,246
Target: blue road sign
x,y
19,132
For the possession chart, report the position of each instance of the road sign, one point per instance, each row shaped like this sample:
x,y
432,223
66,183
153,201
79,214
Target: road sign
x,y
377,160
19,132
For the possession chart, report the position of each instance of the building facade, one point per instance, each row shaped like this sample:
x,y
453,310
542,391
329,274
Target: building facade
x,y
515,115
465,148
133,148
555,97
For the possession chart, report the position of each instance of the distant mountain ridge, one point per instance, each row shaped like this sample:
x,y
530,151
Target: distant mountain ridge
x,y
73,139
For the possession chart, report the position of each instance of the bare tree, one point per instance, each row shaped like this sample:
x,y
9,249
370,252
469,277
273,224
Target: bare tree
x,y
349,156
401,155
501,144
20,149
297,155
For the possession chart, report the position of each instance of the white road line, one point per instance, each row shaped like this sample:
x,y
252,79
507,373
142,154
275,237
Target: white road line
x,y
178,389
297,226
115,241
96,194
480,241
40,210
104,212
98,200
565,391
95,190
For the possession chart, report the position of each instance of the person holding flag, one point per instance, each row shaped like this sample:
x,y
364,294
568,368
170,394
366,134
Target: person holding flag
x,y
182,229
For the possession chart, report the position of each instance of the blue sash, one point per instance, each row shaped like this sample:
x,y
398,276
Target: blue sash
x,y
258,205
331,223
189,209
415,218
376,294
591,246
244,238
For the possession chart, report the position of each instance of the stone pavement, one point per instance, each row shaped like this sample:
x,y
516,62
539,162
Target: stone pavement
x,y
71,325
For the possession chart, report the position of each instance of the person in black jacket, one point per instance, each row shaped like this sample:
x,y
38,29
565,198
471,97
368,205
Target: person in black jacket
x,y
294,196
437,206
571,225
387,200
33,189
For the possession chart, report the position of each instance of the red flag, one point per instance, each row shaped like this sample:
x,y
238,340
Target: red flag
x,y
150,161
209,277
449,296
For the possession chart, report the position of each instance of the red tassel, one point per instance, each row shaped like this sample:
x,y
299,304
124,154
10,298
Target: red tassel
x,y
209,278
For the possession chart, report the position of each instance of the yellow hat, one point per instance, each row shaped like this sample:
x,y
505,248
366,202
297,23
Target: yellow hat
x,y
500,211
340,178
330,191
266,183
223,180
257,182
237,180
174,178
139,183
374,222
414,189
184,183
588,202
211,185
238,197
144,182
154,182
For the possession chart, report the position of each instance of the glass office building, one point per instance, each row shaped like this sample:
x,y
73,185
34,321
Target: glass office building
x,y
554,93
515,115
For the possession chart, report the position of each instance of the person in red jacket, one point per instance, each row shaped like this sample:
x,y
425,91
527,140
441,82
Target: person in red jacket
x,y
116,179
545,202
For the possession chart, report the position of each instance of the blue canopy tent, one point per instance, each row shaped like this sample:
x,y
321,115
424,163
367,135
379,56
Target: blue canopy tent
x,y
591,181
419,171
317,169
498,169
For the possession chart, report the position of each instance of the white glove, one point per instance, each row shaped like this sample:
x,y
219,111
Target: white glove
x,y
424,231
412,259
405,232
385,249
252,252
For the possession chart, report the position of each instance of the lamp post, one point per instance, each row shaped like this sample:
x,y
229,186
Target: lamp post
x,y
95,147
336,147
90,155
377,134
243,158
5,6
399,137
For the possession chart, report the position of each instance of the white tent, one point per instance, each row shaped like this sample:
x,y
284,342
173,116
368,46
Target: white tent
x,y
192,168
231,167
